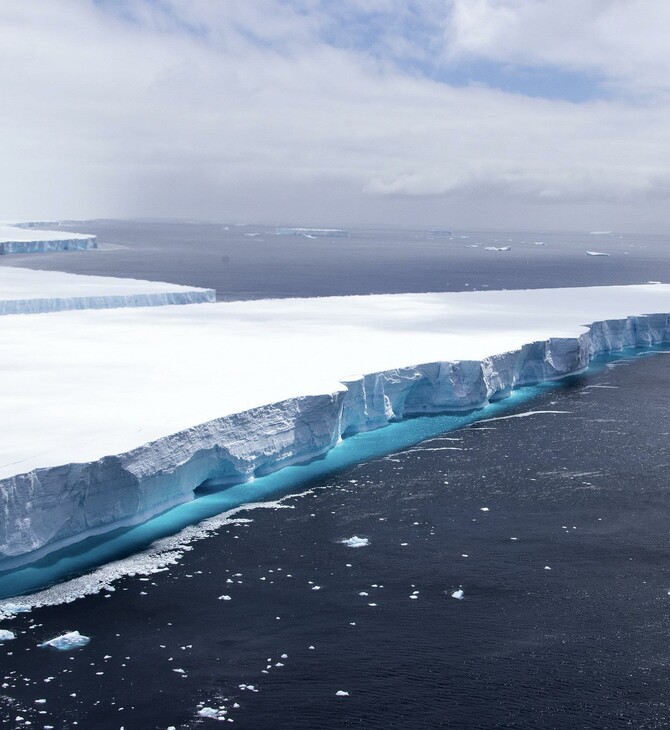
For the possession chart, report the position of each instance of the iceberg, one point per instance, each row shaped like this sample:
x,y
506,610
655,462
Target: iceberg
x,y
67,642
21,240
28,291
112,416
313,232
6,635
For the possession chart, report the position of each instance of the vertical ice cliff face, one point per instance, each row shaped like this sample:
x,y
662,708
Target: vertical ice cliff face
x,y
36,245
51,507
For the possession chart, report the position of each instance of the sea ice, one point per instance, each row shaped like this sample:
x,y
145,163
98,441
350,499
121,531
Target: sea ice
x,y
341,693
6,635
355,541
67,641
596,253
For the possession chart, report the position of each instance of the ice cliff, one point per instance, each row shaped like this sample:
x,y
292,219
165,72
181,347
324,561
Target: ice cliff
x,y
51,507
28,291
23,238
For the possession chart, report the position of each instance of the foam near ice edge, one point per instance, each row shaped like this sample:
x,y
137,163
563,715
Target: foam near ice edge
x,y
157,558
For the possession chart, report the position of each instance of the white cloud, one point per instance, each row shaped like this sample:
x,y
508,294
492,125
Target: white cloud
x,y
241,110
624,41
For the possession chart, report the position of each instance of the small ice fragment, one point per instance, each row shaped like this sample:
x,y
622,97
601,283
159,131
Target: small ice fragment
x,y
483,509
546,567
316,588
208,712
414,597
341,693
225,598
363,593
514,538
458,594
372,604
6,635
284,656
312,648
67,641
355,541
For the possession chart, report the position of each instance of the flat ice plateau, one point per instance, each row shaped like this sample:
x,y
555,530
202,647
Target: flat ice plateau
x,y
14,239
24,291
112,416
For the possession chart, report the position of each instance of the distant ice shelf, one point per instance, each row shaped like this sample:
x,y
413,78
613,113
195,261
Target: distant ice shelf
x,y
27,291
313,232
111,417
15,239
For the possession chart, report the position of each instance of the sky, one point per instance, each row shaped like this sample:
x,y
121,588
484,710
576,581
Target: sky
x,y
480,114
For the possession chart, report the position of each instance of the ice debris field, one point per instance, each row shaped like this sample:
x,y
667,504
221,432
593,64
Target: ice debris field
x,y
111,416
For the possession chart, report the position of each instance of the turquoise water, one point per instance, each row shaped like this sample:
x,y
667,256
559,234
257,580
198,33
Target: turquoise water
x,y
95,551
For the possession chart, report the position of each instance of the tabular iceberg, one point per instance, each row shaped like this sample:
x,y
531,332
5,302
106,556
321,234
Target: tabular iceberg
x,y
19,240
54,505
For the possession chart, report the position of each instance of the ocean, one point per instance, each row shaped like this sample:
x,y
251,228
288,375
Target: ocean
x,y
547,511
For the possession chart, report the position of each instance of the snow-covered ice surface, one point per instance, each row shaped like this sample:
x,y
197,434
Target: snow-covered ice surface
x,y
31,240
110,417
26,291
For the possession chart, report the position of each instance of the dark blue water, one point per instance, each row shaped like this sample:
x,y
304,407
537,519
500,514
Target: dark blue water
x,y
564,626
584,491
251,262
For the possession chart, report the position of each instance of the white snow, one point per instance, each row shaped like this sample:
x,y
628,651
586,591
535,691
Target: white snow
x,y
67,641
28,291
135,407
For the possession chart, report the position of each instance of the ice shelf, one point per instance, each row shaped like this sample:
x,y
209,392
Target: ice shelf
x,y
26,291
110,417
14,239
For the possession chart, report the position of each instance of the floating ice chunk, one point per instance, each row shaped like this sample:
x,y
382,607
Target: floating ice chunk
x,y
225,598
546,567
341,693
67,641
212,713
483,509
459,594
6,635
355,541
498,248
596,253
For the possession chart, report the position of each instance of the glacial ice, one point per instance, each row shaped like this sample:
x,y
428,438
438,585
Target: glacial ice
x,y
111,417
6,635
21,240
313,232
28,291
67,642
